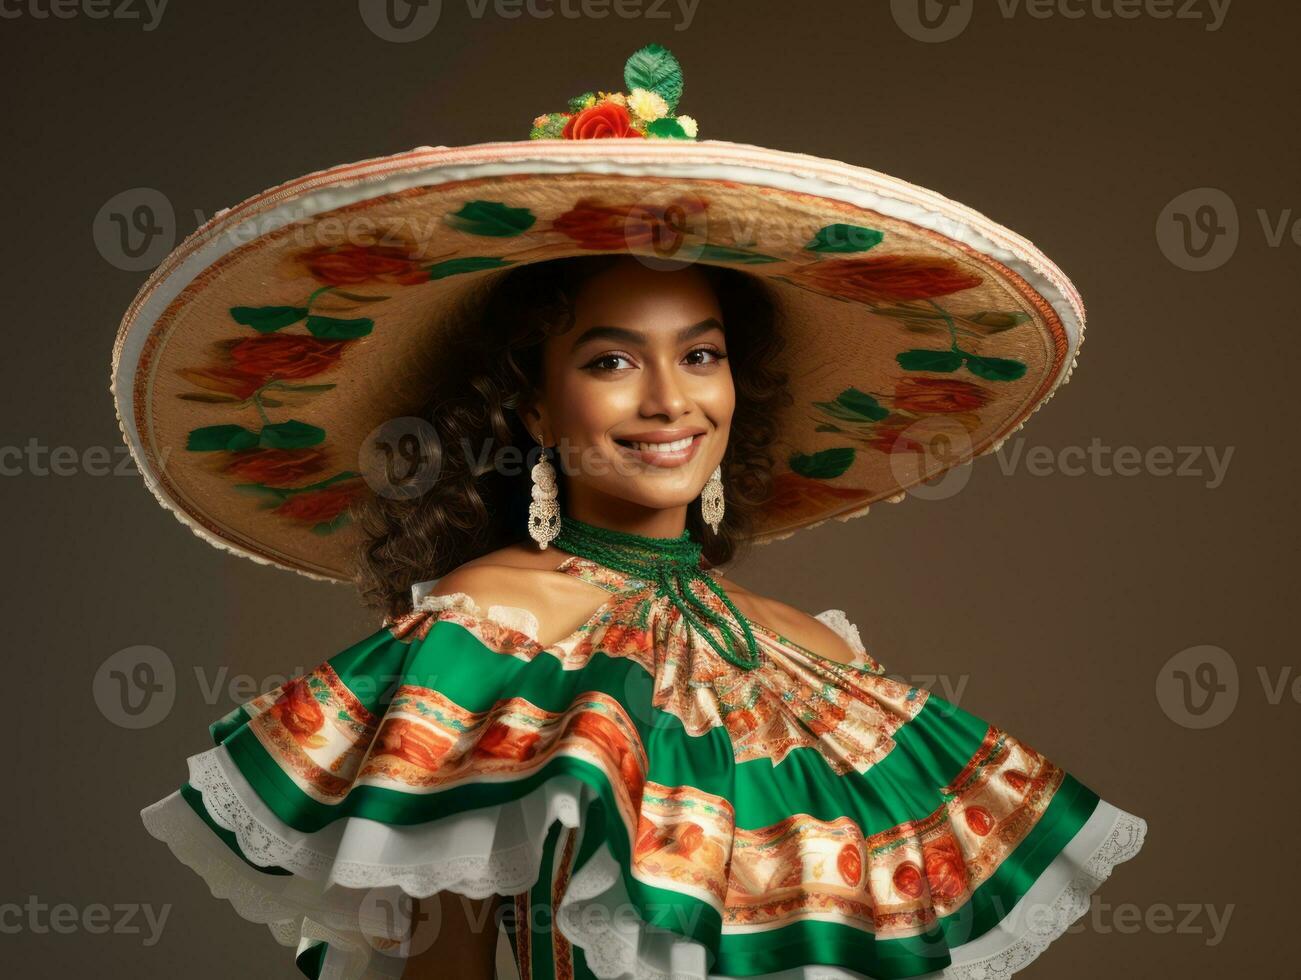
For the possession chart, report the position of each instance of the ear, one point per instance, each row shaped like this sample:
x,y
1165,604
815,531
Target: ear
x,y
534,422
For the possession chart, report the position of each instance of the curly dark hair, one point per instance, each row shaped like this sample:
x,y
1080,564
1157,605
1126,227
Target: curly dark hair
x,y
492,366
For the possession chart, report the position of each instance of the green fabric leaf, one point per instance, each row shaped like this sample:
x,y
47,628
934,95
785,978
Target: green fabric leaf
x,y
929,360
845,238
580,102
724,253
491,218
655,69
333,328
220,437
291,435
666,128
471,263
267,319
553,125
822,465
995,368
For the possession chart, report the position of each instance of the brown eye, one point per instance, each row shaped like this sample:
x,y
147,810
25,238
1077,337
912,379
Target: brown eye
x,y
714,352
600,363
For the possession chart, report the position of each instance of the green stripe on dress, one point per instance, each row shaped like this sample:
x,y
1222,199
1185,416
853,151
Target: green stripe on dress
x,y
311,961
931,748
801,943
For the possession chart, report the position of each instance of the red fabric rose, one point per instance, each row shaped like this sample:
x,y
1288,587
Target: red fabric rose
x,y
604,120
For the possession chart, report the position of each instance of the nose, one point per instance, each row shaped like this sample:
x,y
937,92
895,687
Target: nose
x,y
663,393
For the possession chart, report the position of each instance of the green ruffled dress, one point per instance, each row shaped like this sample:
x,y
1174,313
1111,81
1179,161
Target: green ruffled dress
x,y
651,809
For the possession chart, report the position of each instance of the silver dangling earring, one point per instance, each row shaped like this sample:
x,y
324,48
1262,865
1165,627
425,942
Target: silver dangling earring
x,y
544,511
711,499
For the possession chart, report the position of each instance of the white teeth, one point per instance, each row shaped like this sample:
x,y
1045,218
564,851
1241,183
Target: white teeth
x,y
663,447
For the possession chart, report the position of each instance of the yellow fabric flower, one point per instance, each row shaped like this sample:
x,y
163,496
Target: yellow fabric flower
x,y
647,105
618,98
688,125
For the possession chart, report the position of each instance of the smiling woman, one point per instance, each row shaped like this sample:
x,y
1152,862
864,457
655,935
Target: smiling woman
x,y
644,359
569,714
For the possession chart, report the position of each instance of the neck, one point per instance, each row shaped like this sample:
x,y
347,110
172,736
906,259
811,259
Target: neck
x,y
617,514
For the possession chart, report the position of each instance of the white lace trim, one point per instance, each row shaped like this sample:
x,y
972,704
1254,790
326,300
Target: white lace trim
x,y
515,617
618,950
503,848
838,621
497,850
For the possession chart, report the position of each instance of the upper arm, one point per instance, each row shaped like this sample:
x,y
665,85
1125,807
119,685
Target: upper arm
x,y
794,624
811,633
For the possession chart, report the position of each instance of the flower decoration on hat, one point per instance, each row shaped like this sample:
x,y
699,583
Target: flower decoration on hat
x,y
654,81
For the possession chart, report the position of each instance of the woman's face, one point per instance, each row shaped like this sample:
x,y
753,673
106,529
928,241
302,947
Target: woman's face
x,y
637,397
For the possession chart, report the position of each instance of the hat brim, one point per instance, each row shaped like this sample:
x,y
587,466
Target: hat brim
x,y
256,365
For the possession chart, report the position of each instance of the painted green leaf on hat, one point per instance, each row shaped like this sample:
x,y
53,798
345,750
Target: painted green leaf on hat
x,y
654,68
845,238
930,360
470,263
989,368
220,437
725,253
995,368
491,218
267,319
822,465
290,435
231,438
853,405
334,328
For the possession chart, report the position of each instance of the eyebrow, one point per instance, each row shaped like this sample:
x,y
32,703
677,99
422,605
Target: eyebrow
x,y
628,336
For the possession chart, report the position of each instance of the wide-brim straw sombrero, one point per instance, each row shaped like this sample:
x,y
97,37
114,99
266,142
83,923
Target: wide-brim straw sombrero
x,y
257,359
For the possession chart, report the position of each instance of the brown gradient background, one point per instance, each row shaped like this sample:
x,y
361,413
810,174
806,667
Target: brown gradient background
x,y
1055,599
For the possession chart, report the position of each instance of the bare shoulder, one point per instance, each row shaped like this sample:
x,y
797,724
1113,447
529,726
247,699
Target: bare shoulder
x,y
794,624
513,577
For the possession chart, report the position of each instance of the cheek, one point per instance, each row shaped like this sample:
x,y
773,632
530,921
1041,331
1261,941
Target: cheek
x,y
588,408
719,402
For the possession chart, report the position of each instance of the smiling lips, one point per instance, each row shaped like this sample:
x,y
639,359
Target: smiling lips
x,y
663,447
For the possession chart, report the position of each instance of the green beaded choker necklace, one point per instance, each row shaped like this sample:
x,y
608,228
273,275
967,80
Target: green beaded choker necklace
x,y
671,563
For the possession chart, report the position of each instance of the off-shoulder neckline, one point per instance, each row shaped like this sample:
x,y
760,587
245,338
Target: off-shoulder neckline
x,y
473,609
